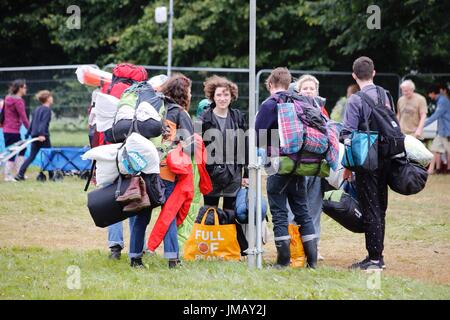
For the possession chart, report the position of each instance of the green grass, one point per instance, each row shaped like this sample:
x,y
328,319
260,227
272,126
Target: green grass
x,y
35,273
46,227
69,139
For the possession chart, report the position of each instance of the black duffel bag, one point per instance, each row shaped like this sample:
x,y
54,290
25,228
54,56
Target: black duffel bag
x,y
344,209
149,128
104,208
406,177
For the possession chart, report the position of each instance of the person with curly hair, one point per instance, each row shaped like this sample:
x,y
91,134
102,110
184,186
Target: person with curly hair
x,y
223,130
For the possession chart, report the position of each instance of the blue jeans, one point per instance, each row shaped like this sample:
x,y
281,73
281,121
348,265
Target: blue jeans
x,y
138,225
115,234
283,188
315,201
171,238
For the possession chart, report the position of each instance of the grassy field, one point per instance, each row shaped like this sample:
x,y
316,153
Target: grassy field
x,y
69,139
47,236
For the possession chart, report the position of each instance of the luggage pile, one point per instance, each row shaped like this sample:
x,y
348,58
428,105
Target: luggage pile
x,y
127,113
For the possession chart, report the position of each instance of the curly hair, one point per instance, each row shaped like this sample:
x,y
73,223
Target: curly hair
x,y
177,88
214,82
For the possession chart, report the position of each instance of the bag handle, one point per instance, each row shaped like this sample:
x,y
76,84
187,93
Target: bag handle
x,y
216,216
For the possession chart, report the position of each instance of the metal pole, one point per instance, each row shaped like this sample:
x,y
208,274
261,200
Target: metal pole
x,y
169,46
258,215
252,137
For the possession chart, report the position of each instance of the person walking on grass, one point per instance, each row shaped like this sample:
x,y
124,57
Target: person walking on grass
x,y
282,189
411,110
14,117
441,143
39,128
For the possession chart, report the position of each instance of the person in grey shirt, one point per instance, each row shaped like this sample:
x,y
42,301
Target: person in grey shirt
x,y
372,187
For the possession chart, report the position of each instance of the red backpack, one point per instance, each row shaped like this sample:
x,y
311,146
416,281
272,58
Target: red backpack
x,y
124,75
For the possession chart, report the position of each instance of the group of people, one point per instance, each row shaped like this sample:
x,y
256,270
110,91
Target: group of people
x,y
227,177
14,117
288,194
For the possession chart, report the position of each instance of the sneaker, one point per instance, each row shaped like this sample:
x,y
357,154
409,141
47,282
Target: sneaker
x,y
115,252
137,263
368,264
19,178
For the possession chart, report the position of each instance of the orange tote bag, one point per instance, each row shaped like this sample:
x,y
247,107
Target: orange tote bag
x,y
212,241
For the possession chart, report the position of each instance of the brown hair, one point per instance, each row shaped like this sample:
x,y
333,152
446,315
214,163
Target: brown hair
x,y
43,95
363,68
214,82
177,88
354,88
16,85
279,77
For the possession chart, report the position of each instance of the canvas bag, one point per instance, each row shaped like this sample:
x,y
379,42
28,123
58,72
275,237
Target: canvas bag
x,y
209,241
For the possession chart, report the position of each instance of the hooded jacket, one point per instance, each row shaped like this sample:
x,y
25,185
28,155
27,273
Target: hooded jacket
x,y
15,114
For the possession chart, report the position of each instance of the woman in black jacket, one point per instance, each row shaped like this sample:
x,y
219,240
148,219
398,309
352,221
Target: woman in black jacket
x,y
223,131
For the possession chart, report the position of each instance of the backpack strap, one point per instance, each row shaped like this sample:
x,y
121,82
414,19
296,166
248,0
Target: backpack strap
x,y
90,176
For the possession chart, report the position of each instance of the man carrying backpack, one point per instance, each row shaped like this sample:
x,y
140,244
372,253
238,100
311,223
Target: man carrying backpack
x,y
283,188
364,107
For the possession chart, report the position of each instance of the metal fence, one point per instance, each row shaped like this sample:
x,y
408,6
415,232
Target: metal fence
x,y
72,98
333,84
198,76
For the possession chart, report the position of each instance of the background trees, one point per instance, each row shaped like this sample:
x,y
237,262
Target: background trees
x,y
320,35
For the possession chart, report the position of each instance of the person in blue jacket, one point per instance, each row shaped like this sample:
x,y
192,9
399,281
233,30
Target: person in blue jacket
x,y
441,143
39,128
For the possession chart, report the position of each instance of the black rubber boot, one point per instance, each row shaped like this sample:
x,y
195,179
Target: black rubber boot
x,y
283,253
136,263
173,263
310,248
115,252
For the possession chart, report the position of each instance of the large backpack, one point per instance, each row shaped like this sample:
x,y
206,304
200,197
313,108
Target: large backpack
x,y
309,142
139,111
391,140
124,75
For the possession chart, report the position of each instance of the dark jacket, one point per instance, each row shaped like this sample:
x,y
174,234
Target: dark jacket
x,y
40,121
226,175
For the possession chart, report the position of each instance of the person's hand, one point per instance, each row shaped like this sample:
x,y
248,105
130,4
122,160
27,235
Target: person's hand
x,y
245,182
41,138
347,174
418,134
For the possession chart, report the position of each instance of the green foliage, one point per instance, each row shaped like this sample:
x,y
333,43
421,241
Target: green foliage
x,y
320,35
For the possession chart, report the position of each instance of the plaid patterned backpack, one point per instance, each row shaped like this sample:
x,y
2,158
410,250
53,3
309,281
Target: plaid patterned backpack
x,y
306,135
